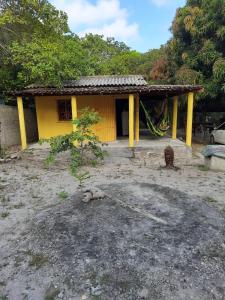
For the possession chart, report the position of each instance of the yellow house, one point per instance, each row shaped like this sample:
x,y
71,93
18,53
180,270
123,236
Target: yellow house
x,y
116,98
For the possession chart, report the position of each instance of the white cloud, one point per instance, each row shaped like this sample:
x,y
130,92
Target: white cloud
x,y
162,2
105,17
119,29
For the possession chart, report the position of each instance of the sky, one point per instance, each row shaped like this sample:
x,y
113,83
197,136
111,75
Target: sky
x,y
141,24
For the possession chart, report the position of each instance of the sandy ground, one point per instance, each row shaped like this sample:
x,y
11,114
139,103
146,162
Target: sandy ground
x,y
53,246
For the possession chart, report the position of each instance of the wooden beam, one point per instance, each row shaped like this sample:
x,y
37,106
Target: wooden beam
x,y
190,105
74,110
23,135
131,120
137,119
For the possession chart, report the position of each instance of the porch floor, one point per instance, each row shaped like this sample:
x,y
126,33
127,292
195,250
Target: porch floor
x,y
146,143
143,143
148,151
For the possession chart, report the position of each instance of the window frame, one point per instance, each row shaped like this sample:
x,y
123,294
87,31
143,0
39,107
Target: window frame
x,y
66,112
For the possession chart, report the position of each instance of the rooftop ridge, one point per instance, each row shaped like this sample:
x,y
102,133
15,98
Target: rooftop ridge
x,y
100,80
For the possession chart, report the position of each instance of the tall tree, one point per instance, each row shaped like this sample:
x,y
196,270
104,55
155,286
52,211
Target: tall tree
x,y
23,22
49,62
196,52
100,52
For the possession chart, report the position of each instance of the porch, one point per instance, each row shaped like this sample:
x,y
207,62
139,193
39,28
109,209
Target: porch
x,y
147,151
147,142
101,94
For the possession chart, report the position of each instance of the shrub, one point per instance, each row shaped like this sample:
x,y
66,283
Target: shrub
x,y
83,144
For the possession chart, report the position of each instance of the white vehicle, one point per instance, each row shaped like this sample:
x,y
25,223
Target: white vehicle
x,y
218,135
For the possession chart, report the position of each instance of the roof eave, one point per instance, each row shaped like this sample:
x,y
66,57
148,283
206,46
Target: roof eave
x,y
151,90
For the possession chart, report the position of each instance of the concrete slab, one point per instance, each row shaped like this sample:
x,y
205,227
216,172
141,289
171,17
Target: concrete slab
x,y
215,157
111,248
146,143
215,163
147,151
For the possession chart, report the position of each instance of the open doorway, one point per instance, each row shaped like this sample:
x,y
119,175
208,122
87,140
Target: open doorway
x,y
122,118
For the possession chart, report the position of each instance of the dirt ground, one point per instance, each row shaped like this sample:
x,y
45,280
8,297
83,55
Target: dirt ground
x,y
158,233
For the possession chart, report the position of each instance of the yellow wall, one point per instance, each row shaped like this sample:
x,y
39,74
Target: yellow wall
x,y
49,125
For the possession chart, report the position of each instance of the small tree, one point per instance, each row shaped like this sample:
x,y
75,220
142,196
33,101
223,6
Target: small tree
x,y
83,144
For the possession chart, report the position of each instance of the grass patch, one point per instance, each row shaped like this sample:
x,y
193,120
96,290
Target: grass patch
x,y
34,196
3,152
4,199
4,214
203,168
37,260
63,195
32,177
2,187
105,279
209,199
3,297
51,293
19,205
18,261
2,283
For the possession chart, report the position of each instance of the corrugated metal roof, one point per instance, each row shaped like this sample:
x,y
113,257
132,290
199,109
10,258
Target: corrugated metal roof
x,y
159,91
112,80
106,80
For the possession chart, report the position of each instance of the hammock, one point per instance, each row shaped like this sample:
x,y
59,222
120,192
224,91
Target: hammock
x,y
162,124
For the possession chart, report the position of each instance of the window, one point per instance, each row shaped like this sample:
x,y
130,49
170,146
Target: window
x,y
64,110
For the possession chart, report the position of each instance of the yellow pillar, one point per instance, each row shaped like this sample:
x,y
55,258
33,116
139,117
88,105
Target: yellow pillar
x,y
131,120
189,118
137,118
175,111
22,123
74,110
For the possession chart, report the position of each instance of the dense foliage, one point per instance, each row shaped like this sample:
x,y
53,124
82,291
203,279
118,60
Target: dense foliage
x,y
24,27
36,45
196,52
